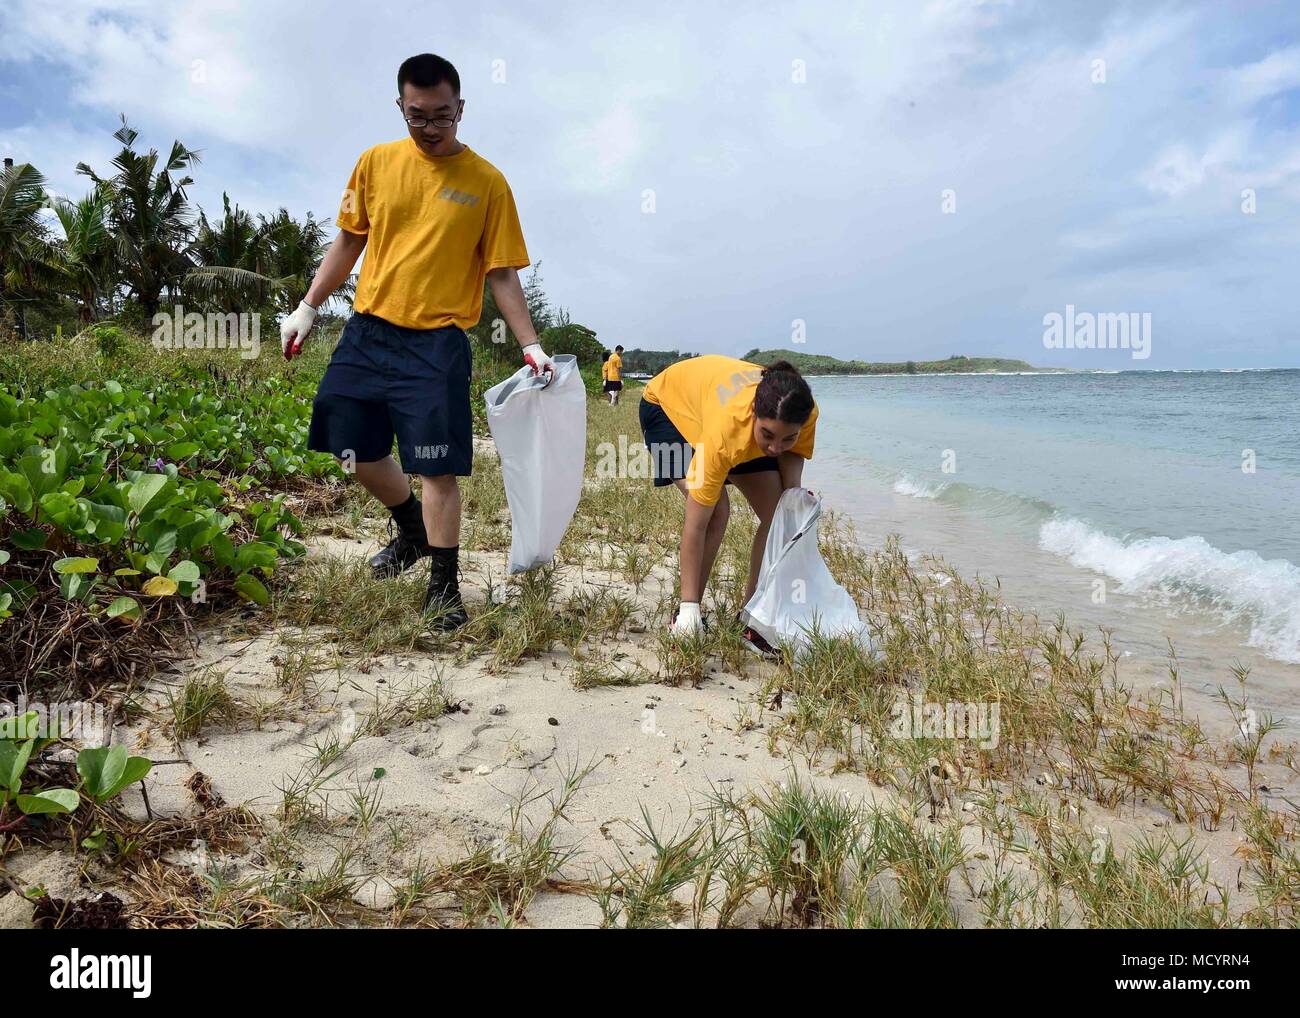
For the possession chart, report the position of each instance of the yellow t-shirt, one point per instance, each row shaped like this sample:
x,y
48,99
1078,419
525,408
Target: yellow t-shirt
x,y
612,369
434,226
710,400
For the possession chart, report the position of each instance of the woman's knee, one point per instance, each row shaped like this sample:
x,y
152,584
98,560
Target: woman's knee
x,y
721,514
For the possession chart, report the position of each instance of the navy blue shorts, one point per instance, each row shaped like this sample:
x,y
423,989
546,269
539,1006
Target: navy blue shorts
x,y
671,454
385,380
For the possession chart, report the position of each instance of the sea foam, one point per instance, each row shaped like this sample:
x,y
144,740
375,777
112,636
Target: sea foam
x,y
1240,586
916,489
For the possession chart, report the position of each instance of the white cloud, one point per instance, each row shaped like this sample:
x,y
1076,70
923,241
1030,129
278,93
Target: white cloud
x,y
776,199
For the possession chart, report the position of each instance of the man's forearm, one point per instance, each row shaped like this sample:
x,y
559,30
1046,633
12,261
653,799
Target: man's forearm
x,y
335,267
509,295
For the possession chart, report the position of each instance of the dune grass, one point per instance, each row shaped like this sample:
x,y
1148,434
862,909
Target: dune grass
x,y
1072,738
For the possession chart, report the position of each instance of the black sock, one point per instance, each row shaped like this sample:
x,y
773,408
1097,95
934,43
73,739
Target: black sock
x,y
409,517
448,556
443,567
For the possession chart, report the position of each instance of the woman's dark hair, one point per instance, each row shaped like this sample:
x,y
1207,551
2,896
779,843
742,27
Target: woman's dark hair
x,y
426,70
783,395
604,356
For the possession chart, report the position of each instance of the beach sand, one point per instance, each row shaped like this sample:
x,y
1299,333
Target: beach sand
x,y
446,785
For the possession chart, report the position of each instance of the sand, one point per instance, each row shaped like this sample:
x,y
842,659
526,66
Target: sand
x,y
448,783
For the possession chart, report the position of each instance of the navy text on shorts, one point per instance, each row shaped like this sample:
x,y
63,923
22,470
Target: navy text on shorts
x,y
386,380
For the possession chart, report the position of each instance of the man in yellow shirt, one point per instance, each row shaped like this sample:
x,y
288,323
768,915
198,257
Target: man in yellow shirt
x,y
712,421
612,372
436,220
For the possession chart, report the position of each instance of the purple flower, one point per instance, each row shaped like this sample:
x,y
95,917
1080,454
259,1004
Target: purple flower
x,y
158,463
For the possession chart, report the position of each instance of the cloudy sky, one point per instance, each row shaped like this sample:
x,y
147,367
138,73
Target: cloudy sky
x,y
797,162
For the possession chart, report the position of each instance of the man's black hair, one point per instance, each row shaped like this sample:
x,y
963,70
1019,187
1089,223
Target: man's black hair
x,y
618,349
426,70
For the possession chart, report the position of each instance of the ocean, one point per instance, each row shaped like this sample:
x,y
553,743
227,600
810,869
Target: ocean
x,y
1163,506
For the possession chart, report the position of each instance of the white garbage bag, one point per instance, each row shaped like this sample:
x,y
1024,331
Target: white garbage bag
x,y
540,433
795,589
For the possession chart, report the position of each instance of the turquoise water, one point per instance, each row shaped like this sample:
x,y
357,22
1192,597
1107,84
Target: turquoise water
x,y
1134,478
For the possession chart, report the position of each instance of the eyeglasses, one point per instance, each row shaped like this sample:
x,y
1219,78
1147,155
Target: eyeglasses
x,y
435,121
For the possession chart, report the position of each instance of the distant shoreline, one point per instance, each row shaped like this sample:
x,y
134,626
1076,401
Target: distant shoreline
x,y
822,364
826,366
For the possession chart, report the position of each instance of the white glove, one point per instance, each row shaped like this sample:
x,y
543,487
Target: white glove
x,y
294,329
688,619
535,357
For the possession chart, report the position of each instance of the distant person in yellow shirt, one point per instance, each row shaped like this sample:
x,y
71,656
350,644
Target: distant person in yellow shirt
x,y
612,371
712,421
436,219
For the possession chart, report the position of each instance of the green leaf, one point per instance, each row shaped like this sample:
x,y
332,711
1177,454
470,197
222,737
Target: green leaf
x,y
250,588
158,535
184,571
106,770
101,768
147,490
63,510
108,520
182,450
127,606
137,767
255,554
13,761
32,539
4,556
77,586
45,469
223,551
22,591
49,800
76,565
16,489
19,728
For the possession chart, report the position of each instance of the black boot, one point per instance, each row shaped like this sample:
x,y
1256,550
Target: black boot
x,y
408,546
442,600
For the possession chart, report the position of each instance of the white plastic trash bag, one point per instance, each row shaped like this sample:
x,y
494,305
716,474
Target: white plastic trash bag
x,y
796,591
540,433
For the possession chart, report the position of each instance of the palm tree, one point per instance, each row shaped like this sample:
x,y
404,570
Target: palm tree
x,y
273,261
25,251
150,217
86,254
295,251
230,256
